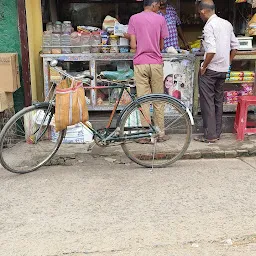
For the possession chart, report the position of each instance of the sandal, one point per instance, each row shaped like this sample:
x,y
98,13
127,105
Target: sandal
x,y
163,138
144,141
203,139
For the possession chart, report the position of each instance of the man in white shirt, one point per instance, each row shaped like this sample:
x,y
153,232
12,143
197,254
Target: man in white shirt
x,y
220,46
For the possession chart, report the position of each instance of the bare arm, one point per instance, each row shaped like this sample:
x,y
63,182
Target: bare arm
x,y
207,61
161,44
232,55
133,42
183,38
127,36
234,44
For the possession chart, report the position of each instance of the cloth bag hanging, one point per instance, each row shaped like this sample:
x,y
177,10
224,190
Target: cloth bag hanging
x,y
70,105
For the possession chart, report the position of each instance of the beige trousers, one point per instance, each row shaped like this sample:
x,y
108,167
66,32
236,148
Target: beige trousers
x,y
149,79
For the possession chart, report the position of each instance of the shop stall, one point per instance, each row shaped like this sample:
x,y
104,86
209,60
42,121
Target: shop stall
x,y
91,40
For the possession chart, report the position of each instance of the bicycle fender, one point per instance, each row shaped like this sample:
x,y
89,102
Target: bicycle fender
x,y
190,116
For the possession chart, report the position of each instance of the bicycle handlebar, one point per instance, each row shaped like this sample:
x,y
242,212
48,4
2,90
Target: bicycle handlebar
x,y
54,64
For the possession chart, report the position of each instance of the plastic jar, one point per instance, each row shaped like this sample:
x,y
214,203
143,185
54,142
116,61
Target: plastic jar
x,y
56,43
114,44
66,27
57,28
104,42
65,43
47,42
96,42
124,45
49,27
85,42
75,40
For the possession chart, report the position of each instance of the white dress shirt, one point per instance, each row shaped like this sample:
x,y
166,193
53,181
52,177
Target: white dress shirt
x,y
219,38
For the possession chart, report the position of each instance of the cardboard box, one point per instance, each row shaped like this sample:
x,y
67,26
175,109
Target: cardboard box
x,y
6,101
9,72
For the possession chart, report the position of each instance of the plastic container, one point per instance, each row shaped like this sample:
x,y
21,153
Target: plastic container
x,y
49,27
65,43
47,42
96,42
57,28
85,42
75,40
123,66
124,45
56,43
124,49
66,27
114,44
104,42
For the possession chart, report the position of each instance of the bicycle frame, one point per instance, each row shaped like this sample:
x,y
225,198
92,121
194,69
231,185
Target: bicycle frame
x,y
114,136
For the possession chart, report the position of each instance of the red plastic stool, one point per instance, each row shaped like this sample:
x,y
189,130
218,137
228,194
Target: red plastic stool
x,y
241,125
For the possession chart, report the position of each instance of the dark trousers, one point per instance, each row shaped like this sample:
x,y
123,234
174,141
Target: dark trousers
x,y
211,102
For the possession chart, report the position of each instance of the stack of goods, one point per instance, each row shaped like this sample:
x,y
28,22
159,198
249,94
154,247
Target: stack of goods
x,y
231,97
123,73
10,79
62,38
246,90
252,26
234,76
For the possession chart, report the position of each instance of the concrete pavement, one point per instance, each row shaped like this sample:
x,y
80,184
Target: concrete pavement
x,y
226,147
100,208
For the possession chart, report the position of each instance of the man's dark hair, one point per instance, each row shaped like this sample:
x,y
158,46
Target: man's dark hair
x,y
206,6
150,2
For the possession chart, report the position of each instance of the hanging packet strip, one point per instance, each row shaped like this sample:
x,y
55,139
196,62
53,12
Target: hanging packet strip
x,y
241,74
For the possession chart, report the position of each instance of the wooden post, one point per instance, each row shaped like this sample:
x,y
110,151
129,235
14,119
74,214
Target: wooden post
x,y
24,51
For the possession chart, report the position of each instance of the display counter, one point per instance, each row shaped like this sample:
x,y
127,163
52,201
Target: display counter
x,y
178,70
181,69
244,61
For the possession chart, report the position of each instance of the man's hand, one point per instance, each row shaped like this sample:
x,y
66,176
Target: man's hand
x,y
127,36
202,71
187,46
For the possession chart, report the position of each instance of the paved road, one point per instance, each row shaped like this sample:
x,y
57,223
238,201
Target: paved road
x,y
204,207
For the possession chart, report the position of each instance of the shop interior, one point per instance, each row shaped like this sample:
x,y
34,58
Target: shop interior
x,y
92,14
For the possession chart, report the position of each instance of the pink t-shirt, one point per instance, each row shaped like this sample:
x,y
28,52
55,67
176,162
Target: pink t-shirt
x,y
148,27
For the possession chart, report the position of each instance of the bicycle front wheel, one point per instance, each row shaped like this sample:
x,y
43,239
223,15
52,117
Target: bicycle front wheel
x,y
162,142
25,141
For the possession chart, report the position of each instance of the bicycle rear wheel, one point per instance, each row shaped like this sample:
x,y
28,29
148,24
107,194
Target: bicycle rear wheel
x,y
163,144
25,143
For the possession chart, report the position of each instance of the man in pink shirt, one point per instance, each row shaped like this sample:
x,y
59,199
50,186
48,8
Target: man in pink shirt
x,y
147,31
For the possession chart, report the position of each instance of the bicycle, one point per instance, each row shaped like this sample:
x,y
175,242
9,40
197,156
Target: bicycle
x,y
27,132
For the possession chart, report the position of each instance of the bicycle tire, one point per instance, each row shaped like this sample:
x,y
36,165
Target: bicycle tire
x,y
181,136
13,129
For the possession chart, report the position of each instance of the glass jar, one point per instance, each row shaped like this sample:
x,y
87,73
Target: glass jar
x,y
65,43
47,42
124,45
104,42
57,28
75,40
85,42
56,43
114,44
66,27
96,42
49,27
